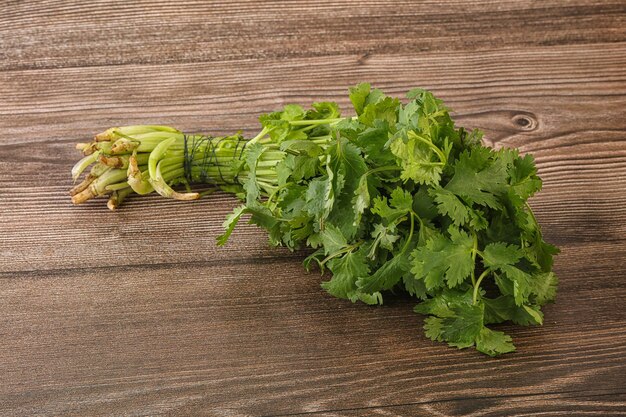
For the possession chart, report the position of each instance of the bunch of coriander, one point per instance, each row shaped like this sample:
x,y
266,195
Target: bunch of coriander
x,y
394,198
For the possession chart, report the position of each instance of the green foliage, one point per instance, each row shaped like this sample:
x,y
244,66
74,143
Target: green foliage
x,y
397,197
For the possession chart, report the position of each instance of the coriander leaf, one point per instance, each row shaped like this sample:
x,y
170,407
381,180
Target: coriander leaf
x,y
316,202
542,252
544,287
421,160
373,142
324,110
504,308
302,146
450,205
384,110
252,155
332,239
523,178
399,205
361,199
478,177
442,303
358,96
229,224
385,236
444,260
401,199
387,276
346,166
498,254
346,270
464,326
493,343
424,204
414,287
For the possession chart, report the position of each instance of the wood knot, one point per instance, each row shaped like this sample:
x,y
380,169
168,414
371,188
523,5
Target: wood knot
x,y
361,60
525,121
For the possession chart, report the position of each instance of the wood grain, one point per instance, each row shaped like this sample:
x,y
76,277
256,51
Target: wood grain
x,y
209,335
152,31
136,312
491,90
560,404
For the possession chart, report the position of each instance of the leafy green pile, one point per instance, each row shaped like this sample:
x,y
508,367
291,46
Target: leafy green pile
x,y
395,198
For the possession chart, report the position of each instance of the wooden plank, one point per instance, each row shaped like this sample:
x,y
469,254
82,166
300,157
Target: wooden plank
x,y
495,90
264,340
574,403
54,34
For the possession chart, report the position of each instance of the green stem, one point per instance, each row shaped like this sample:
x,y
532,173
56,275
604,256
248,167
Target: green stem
x,y
477,285
349,248
440,154
385,168
410,237
474,251
315,121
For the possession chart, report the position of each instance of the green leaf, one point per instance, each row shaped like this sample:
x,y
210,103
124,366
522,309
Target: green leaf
x,y
346,270
385,236
479,177
324,110
421,160
496,255
358,96
332,239
464,326
384,110
345,169
302,146
442,303
401,199
544,287
444,260
230,223
252,155
316,202
542,252
361,199
387,276
493,343
399,205
523,178
504,308
414,287
450,205
261,216
373,142
504,258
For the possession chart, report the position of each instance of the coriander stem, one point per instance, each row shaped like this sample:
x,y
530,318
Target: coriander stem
x,y
385,168
474,250
477,285
441,155
349,248
258,137
410,237
315,122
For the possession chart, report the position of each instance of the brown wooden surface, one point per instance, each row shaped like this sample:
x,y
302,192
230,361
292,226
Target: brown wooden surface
x,y
136,312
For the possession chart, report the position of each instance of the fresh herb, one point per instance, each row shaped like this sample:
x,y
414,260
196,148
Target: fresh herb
x,y
395,197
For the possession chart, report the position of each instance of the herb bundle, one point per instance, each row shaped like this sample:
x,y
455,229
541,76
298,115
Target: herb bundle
x,y
394,198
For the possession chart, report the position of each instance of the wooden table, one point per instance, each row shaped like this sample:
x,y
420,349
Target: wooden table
x,y
136,312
